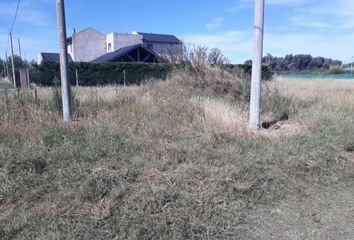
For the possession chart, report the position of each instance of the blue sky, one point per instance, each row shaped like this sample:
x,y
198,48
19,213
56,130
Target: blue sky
x,y
318,27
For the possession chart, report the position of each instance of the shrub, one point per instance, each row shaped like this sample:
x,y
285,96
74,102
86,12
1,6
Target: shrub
x,y
267,73
56,103
335,70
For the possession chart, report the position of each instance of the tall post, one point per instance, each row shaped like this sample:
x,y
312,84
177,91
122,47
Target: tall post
x,y
77,77
255,105
73,45
7,65
19,48
12,61
65,84
351,64
124,77
4,66
28,77
4,70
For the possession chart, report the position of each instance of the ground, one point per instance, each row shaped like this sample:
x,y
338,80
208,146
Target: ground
x,y
175,159
327,213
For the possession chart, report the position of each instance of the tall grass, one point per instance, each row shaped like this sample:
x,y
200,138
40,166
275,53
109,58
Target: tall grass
x,y
167,160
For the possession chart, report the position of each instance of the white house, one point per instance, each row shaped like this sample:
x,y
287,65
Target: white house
x,y
89,45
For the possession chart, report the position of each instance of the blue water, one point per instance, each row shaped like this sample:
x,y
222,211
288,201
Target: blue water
x,y
318,76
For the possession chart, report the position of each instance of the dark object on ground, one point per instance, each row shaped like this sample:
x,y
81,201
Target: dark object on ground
x,y
267,125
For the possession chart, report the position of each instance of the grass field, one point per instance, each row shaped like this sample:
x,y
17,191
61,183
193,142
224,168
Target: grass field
x,y
174,159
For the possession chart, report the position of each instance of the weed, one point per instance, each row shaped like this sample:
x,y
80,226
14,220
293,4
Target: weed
x,y
56,102
277,105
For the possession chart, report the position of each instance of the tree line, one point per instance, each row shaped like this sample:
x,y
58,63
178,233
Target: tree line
x,y
18,62
298,63
289,63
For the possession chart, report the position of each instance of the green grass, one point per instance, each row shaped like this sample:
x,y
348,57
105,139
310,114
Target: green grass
x,y
149,163
5,84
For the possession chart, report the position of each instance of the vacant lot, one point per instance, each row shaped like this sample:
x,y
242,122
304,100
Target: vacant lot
x,y
175,160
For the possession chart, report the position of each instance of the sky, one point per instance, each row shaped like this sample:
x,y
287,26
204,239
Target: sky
x,y
317,27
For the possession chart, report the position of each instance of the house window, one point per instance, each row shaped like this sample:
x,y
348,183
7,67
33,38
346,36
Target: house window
x,y
150,46
109,47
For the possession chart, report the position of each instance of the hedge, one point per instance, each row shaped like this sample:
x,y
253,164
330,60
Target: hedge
x,y
267,73
91,74
100,74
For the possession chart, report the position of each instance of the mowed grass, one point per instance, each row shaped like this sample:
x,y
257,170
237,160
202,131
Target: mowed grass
x,y
170,160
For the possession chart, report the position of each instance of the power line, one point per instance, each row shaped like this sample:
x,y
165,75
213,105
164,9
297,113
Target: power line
x,y
13,23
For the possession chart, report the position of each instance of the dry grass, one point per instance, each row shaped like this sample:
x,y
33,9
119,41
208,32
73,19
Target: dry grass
x,y
174,160
228,118
334,91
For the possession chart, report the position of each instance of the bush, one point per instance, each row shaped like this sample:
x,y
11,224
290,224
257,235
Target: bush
x,y
267,73
335,70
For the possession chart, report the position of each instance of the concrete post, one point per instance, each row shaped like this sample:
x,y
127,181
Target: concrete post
x,y
64,75
19,48
255,105
12,61
77,77
7,66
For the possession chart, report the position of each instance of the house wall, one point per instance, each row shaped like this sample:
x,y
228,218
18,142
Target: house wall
x,y
39,58
70,49
87,45
116,41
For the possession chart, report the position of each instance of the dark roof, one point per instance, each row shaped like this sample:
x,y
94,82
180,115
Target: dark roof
x,y
152,37
109,57
53,57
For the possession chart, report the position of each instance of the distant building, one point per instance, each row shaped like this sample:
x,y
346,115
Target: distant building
x,y
53,57
161,43
89,45
86,45
135,53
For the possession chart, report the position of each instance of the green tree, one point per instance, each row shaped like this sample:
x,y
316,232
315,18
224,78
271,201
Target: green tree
x,y
2,70
18,62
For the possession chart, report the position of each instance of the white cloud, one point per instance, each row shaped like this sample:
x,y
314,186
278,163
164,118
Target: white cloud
x,y
31,12
242,4
235,45
215,23
287,2
335,13
310,21
34,26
